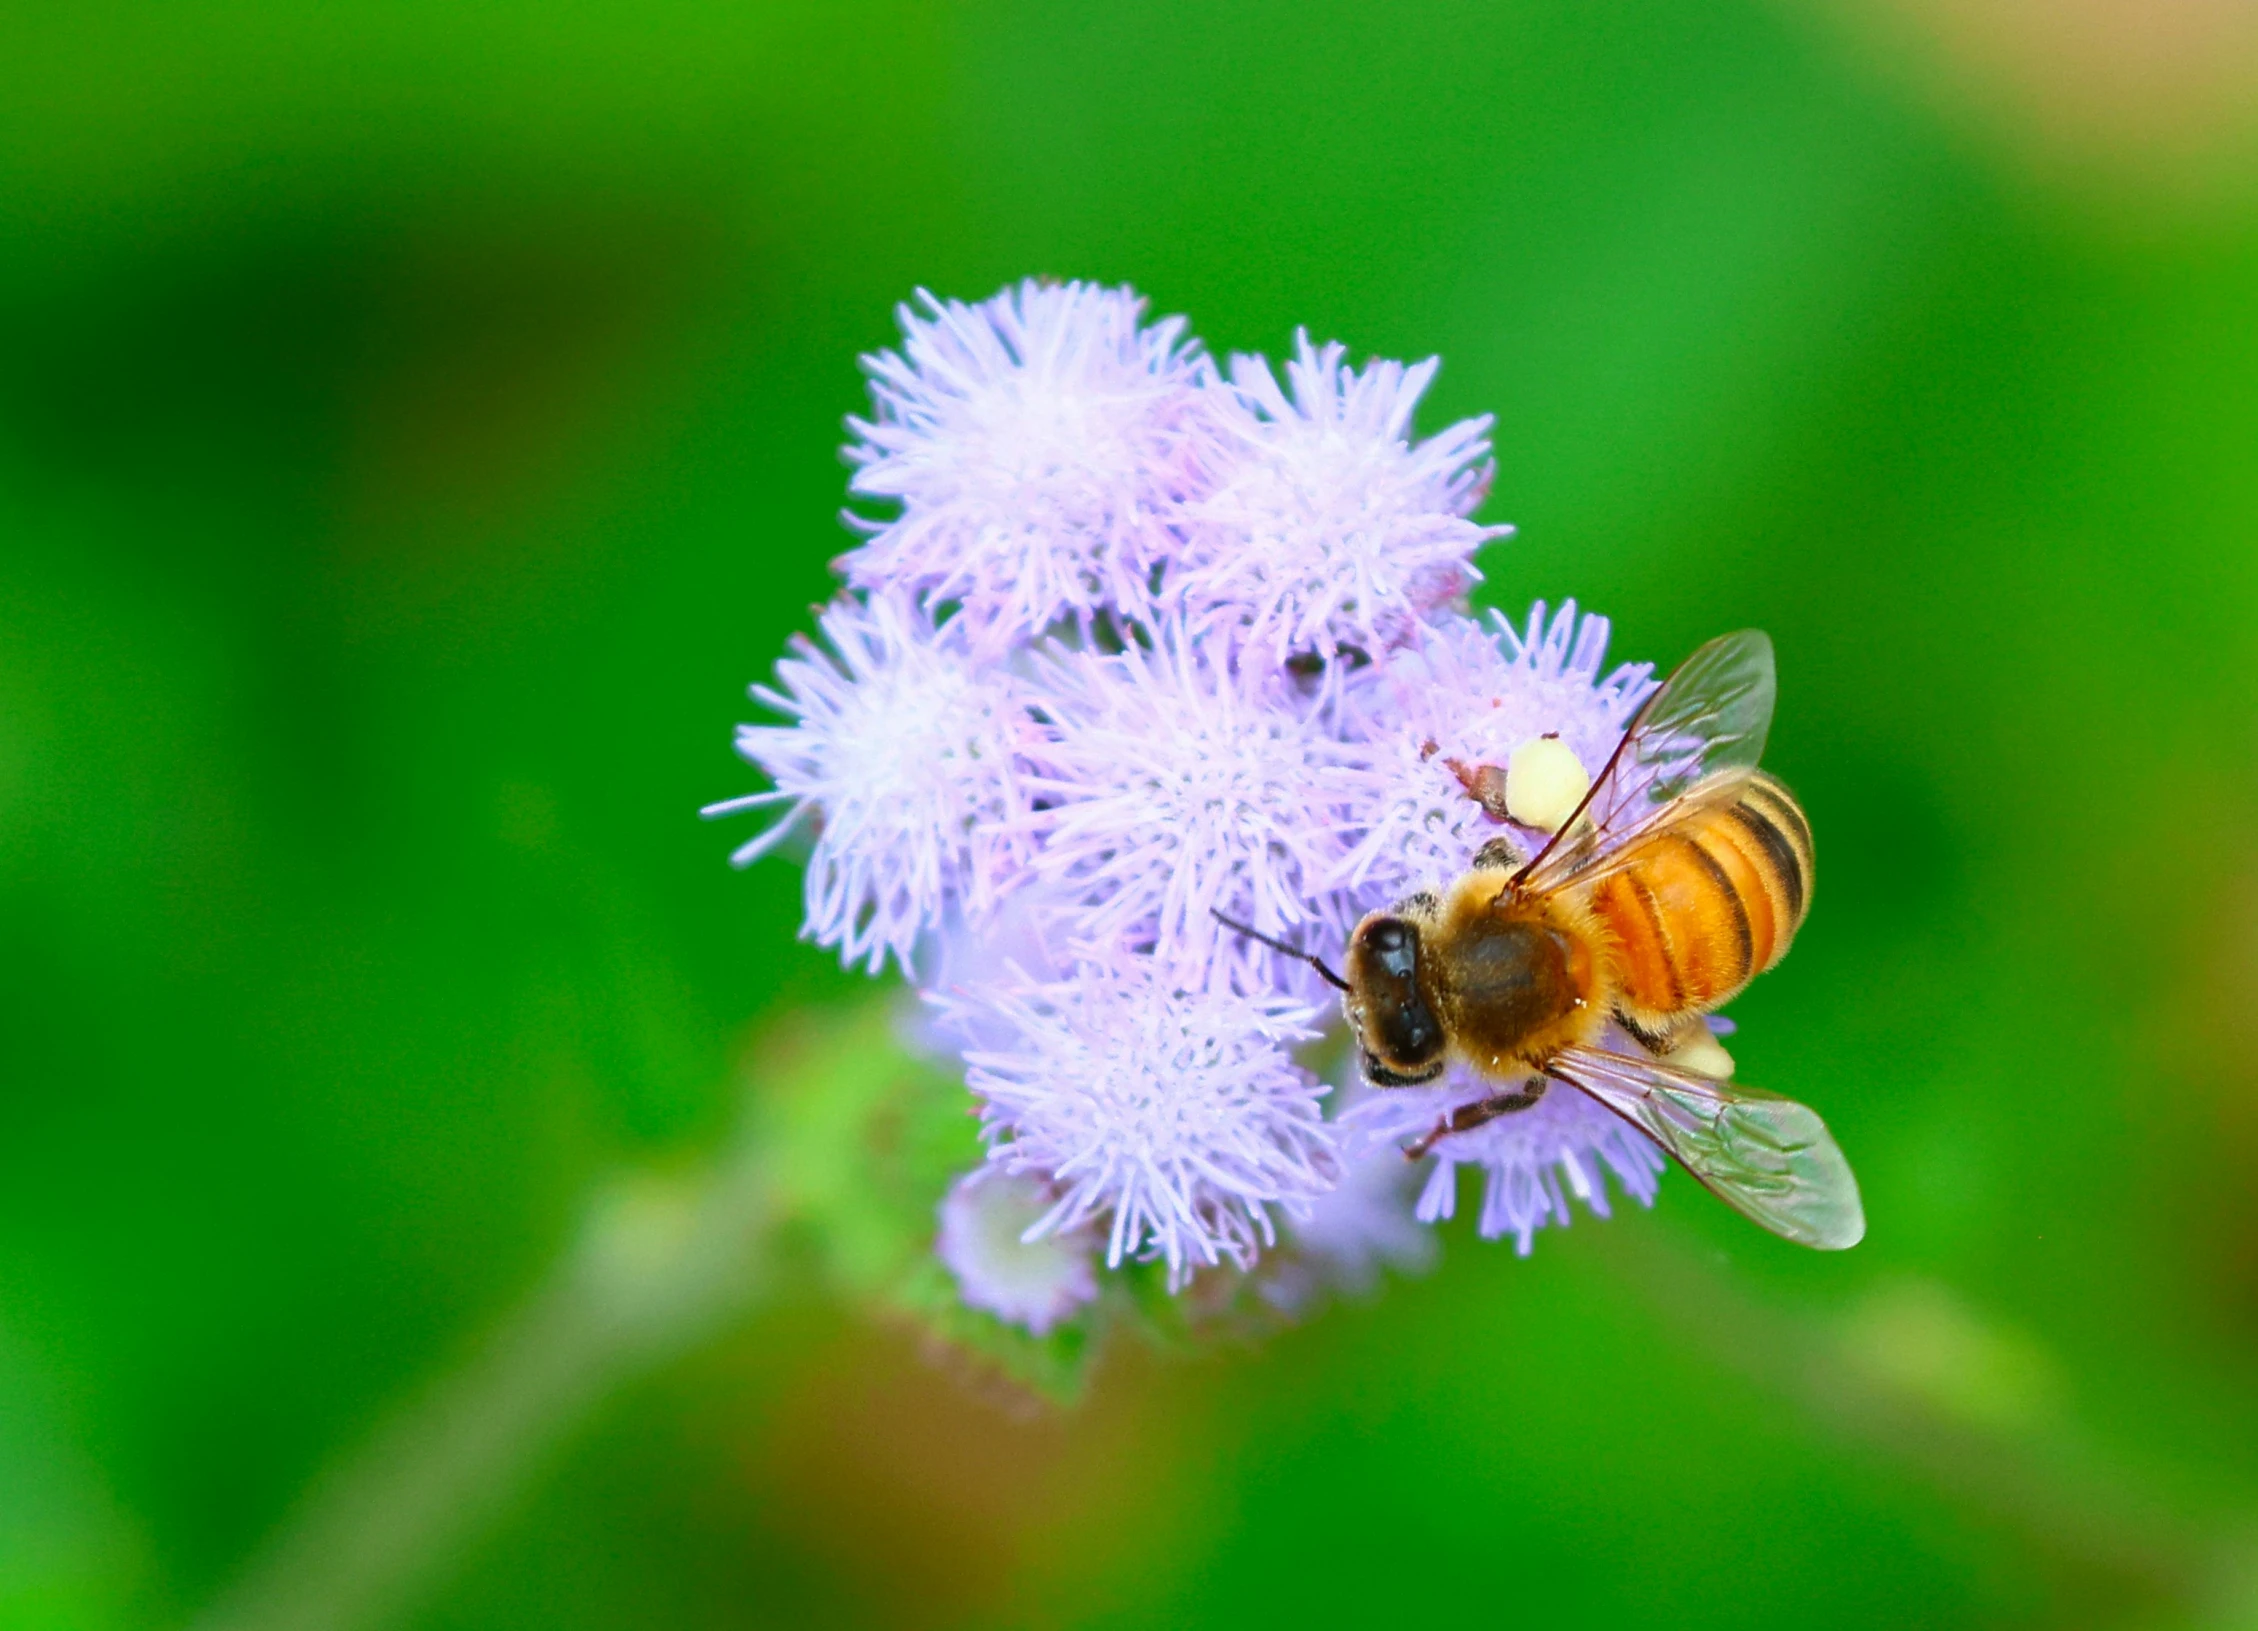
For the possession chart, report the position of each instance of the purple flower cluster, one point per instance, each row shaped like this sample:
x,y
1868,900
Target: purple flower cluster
x,y
1143,639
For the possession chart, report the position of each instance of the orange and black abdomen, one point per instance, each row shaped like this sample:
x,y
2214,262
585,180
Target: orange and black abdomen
x,y
1704,906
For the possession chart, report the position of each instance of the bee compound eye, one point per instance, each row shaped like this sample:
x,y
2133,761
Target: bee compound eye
x,y
1410,1032
1393,945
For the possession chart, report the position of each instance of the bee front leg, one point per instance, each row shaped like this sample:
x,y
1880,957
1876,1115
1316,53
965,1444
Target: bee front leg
x,y
1499,855
1467,1117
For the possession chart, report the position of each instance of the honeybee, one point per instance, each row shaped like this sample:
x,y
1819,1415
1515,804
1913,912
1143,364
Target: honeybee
x,y
1682,874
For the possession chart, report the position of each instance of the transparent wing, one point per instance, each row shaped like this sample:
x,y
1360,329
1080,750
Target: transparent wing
x,y
1696,738
1770,1159
1587,857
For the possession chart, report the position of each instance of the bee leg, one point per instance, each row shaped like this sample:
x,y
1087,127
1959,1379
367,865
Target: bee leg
x,y
1662,1040
1484,784
1498,855
1421,905
1467,1117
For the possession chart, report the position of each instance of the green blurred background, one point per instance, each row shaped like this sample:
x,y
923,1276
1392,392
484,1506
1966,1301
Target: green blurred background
x,y
416,426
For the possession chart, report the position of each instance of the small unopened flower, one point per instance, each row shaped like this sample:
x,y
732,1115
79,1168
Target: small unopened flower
x,y
984,1240
1170,1111
1328,527
903,753
1039,444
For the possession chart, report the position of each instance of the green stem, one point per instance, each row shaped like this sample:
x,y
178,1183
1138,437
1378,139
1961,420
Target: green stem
x,y
658,1266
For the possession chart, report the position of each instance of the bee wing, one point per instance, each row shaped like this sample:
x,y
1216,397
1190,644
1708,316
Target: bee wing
x,y
1696,740
1770,1159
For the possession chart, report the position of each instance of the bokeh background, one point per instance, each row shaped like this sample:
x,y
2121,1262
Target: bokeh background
x,y
417,424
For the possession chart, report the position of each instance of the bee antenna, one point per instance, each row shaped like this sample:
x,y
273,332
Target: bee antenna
x,y
1311,958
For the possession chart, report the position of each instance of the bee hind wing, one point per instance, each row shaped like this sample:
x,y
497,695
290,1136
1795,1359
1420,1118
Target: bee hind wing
x,y
1769,1158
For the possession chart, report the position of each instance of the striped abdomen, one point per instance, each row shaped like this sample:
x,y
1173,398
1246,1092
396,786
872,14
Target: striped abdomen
x,y
1706,905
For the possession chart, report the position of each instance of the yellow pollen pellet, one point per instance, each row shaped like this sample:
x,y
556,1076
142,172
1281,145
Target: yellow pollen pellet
x,y
1543,781
1704,1055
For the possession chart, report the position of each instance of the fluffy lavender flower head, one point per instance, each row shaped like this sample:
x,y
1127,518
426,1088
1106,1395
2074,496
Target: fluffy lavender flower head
x,y
1140,646
1327,526
1171,1110
1470,696
1180,784
1564,1145
1039,445
1357,1229
903,751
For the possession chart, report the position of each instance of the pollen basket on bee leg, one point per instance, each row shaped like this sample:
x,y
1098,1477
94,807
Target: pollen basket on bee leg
x,y
1701,1053
1544,782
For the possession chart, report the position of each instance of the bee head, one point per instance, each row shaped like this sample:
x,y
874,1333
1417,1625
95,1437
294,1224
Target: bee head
x,y
1403,1043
